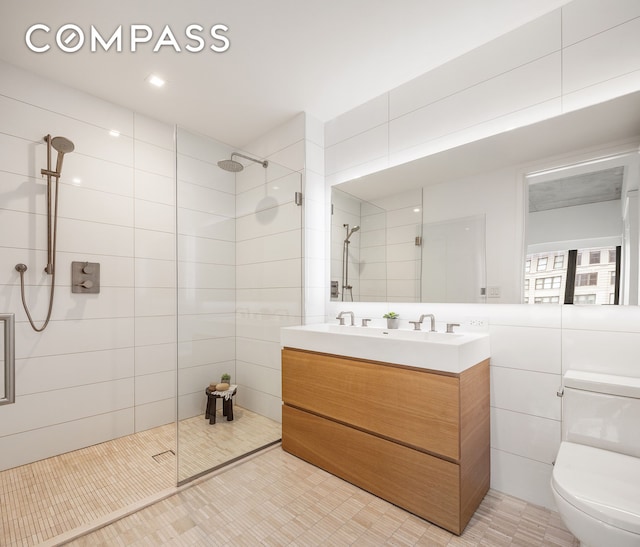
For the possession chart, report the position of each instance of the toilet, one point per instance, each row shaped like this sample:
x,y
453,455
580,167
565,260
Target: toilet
x,y
596,475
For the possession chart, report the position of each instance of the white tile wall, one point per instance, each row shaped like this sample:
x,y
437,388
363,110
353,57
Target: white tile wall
x,y
530,84
522,477
155,293
587,18
103,362
52,372
269,243
206,269
514,80
528,43
602,57
519,433
33,445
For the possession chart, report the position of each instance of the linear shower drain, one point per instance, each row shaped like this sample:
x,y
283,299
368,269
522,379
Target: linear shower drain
x,y
165,456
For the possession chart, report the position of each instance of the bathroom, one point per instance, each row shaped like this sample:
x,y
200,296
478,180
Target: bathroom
x,y
125,213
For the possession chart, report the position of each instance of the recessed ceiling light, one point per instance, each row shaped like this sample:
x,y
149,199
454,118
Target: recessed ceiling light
x,y
155,80
114,133
416,210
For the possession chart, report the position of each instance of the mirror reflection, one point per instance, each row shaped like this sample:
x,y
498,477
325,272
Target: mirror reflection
x,y
555,167
376,247
579,226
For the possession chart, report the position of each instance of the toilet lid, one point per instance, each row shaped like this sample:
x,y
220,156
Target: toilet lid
x,y
601,483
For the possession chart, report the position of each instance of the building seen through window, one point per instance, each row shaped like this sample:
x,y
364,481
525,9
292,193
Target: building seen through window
x,y
545,278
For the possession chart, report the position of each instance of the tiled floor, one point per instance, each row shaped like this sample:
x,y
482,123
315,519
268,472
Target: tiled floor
x,y
48,497
42,500
202,446
275,499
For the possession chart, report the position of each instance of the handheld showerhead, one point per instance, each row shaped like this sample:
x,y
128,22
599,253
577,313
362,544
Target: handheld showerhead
x,y
350,232
63,146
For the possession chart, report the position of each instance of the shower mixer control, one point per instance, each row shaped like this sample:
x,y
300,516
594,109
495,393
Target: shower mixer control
x,y
85,277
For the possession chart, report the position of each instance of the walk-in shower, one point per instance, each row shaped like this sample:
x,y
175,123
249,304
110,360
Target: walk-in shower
x,y
235,166
345,261
63,146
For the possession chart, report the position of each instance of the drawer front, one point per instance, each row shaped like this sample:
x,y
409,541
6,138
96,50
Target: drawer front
x,y
414,407
422,484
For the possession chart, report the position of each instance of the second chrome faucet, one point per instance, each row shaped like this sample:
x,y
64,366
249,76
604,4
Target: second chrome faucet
x,y
417,324
341,315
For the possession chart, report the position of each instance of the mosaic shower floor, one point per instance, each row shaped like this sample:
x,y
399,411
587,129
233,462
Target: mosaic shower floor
x,y
45,499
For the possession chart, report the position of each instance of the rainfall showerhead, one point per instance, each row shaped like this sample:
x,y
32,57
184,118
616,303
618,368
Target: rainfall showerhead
x,y
230,165
235,166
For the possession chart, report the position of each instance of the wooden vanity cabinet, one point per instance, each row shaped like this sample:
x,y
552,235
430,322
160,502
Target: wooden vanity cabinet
x,y
414,437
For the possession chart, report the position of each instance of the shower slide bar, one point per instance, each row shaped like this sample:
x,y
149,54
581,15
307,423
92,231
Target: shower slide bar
x,y
9,359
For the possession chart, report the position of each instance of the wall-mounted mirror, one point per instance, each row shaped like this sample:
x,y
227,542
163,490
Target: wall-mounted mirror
x,y
381,251
485,180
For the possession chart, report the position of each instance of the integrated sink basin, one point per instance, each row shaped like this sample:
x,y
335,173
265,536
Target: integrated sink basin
x,y
446,352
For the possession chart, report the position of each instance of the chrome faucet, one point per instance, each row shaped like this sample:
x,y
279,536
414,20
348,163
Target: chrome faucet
x,y
417,324
341,317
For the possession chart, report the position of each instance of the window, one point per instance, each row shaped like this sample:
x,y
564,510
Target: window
x,y
584,299
560,273
548,282
547,300
585,279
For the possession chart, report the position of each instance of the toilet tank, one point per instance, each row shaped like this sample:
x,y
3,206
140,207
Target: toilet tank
x,y
602,410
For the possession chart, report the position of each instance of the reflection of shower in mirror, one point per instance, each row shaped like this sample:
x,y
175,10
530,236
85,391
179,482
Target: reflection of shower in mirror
x,y
345,261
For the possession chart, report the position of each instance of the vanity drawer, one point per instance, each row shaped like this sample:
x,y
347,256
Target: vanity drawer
x,y
424,485
414,407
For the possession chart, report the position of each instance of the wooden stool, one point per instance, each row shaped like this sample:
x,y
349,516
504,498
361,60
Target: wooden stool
x,y
227,405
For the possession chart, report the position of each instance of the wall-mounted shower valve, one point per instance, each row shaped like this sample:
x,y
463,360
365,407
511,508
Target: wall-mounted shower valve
x,y
85,277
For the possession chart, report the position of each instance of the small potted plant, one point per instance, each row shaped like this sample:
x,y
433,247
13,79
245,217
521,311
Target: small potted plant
x,y
225,379
392,319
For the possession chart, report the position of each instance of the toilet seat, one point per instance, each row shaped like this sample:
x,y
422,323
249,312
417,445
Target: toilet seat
x,y
603,484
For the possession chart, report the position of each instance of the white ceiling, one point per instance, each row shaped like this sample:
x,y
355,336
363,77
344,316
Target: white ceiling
x,y
286,56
